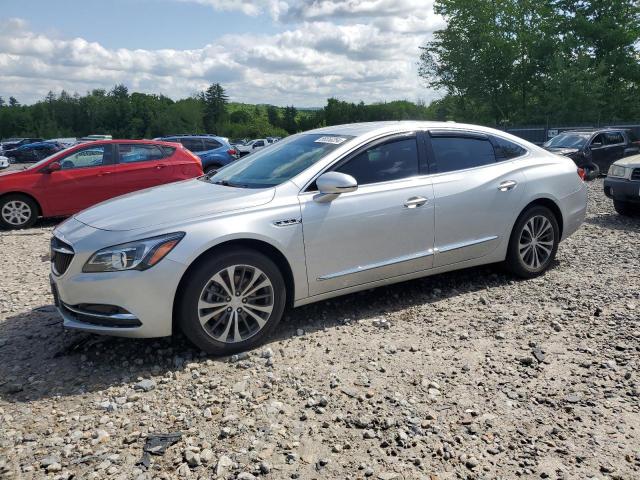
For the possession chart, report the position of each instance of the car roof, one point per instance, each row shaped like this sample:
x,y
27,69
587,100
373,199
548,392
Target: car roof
x,y
370,128
125,140
595,130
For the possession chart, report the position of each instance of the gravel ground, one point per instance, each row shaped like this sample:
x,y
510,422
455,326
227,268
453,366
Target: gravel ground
x,y
464,375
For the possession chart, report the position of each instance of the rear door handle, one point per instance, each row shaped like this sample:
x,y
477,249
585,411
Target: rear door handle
x,y
415,202
104,173
160,165
508,185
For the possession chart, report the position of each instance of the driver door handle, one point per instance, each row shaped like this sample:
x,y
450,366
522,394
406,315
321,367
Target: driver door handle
x,y
104,173
415,202
161,165
507,185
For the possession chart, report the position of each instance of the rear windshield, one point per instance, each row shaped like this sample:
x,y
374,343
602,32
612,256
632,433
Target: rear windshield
x,y
280,162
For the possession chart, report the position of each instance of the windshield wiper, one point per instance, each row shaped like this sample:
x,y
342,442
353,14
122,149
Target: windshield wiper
x,y
226,183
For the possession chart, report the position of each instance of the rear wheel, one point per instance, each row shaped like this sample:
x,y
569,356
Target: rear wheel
x,y
232,301
625,208
17,211
533,243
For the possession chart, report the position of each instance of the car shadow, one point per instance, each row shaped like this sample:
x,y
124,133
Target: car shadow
x,y
40,359
614,221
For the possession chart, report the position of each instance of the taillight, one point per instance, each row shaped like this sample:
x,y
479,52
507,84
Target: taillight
x,y
231,151
581,173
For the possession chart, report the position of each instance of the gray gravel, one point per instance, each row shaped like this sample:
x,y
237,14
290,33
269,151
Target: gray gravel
x,y
465,375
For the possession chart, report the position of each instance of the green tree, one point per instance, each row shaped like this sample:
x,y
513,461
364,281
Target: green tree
x,y
215,107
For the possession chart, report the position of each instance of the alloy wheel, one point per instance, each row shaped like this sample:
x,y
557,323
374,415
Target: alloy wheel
x,y
236,303
16,212
536,242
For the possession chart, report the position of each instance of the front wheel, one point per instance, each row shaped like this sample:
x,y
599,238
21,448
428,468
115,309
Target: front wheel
x,y
232,301
625,208
533,243
211,169
17,211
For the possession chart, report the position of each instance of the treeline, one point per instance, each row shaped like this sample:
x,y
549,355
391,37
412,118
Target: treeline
x,y
506,62
140,115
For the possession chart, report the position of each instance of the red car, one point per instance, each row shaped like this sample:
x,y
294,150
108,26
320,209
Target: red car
x,y
89,173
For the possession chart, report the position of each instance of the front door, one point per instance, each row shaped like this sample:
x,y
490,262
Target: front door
x,y
384,229
475,194
85,178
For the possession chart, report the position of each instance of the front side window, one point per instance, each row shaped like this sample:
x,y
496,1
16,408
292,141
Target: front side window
x,y
506,150
598,140
614,138
392,160
132,153
459,153
280,162
87,157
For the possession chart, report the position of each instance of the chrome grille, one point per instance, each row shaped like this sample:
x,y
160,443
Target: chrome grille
x,y
635,175
61,256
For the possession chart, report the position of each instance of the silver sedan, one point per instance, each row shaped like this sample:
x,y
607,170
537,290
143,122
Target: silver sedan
x,y
319,214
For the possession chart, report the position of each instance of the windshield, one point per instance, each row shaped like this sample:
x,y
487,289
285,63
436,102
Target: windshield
x,y
568,140
278,163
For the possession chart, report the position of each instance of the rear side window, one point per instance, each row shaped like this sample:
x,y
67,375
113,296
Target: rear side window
x,y
168,151
193,144
459,153
132,153
506,150
210,144
393,160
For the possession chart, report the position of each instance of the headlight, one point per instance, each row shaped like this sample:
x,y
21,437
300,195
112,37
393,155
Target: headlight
x,y
138,255
617,171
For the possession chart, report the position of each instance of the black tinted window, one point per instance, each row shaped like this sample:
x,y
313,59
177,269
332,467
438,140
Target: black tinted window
x,y
210,144
393,160
458,153
193,144
614,138
505,149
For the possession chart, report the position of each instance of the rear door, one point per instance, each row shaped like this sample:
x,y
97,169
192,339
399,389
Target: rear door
x,y
85,178
476,186
142,165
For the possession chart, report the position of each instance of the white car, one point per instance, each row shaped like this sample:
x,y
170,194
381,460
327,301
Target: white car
x,y
319,214
252,146
4,162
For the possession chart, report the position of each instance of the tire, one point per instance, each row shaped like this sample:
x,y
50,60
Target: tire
x,y
625,208
591,172
18,211
203,286
524,265
211,169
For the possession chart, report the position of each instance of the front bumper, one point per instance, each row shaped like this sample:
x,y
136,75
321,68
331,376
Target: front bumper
x,y
622,190
144,300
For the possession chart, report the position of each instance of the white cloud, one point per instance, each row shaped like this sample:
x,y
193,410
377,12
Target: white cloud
x,y
354,50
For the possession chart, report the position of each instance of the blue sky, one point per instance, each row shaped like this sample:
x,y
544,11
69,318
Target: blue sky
x,y
262,51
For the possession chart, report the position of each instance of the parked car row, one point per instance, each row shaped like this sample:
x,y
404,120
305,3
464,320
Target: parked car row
x,y
76,178
594,150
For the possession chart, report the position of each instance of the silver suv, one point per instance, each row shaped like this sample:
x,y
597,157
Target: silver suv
x,y
316,215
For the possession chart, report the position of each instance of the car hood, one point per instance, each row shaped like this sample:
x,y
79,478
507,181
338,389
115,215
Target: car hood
x,y
171,203
633,161
567,152
12,173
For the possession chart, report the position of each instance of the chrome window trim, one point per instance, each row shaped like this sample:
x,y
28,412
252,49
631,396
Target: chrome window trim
x,y
372,266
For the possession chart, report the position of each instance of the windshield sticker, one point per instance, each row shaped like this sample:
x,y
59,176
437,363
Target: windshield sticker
x,y
334,140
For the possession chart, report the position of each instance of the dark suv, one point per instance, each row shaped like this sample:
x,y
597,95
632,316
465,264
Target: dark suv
x,y
214,152
594,150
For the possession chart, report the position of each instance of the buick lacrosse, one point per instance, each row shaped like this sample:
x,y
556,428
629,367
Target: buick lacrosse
x,y
319,214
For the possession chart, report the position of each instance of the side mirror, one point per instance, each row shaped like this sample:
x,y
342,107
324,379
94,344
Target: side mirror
x,y
332,184
596,144
53,167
